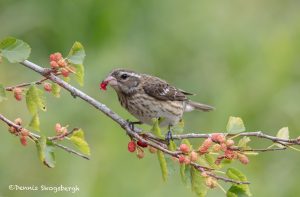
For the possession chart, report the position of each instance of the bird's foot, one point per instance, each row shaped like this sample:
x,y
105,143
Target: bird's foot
x,y
169,137
131,124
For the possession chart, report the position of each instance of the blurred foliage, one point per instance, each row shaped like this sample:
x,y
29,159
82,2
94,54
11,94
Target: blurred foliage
x,y
241,57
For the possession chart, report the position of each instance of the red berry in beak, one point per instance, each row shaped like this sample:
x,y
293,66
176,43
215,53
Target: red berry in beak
x,y
103,85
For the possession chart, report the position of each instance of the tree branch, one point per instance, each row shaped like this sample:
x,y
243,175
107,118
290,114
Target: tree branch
x,y
77,93
136,133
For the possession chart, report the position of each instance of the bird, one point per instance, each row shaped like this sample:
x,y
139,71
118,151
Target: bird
x,y
147,97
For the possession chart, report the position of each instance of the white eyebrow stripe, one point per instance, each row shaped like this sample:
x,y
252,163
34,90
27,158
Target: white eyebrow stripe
x,y
131,74
135,75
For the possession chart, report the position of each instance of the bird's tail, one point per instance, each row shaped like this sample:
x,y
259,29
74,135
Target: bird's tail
x,y
191,105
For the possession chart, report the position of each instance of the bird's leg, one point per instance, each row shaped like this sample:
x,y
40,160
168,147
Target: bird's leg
x,y
131,124
168,136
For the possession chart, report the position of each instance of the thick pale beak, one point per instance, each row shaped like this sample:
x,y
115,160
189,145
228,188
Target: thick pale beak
x,y
110,80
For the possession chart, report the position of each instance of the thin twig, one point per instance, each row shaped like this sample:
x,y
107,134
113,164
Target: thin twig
x,y
223,178
259,149
58,137
258,134
69,150
34,135
11,88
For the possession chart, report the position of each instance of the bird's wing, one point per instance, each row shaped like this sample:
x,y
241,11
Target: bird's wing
x,y
161,90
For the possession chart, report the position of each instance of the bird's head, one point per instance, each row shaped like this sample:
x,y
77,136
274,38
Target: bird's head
x,y
123,81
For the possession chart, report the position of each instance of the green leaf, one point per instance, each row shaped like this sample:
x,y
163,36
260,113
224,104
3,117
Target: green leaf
x,y
78,140
226,161
198,183
243,142
163,165
40,145
252,153
283,133
49,154
2,93
56,90
208,160
235,125
35,122
235,191
211,161
14,50
35,100
79,75
179,128
45,150
185,173
161,157
237,175
172,165
76,54
172,145
156,129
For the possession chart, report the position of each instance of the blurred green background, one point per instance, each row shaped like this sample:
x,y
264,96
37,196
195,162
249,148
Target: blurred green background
x,y
240,56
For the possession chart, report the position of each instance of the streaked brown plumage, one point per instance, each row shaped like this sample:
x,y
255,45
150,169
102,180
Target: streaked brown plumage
x,y
147,97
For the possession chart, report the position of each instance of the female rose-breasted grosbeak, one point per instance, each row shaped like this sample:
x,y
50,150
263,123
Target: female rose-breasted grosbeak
x,y
147,97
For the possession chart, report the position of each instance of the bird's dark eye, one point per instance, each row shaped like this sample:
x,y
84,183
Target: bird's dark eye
x,y
124,76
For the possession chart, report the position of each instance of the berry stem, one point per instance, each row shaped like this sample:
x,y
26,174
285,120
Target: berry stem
x,y
11,88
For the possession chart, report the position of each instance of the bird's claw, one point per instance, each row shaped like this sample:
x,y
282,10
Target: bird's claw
x,y
131,124
169,136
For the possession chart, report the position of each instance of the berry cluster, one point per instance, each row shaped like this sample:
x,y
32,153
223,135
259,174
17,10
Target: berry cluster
x,y
57,62
188,156
218,143
138,146
22,133
60,131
